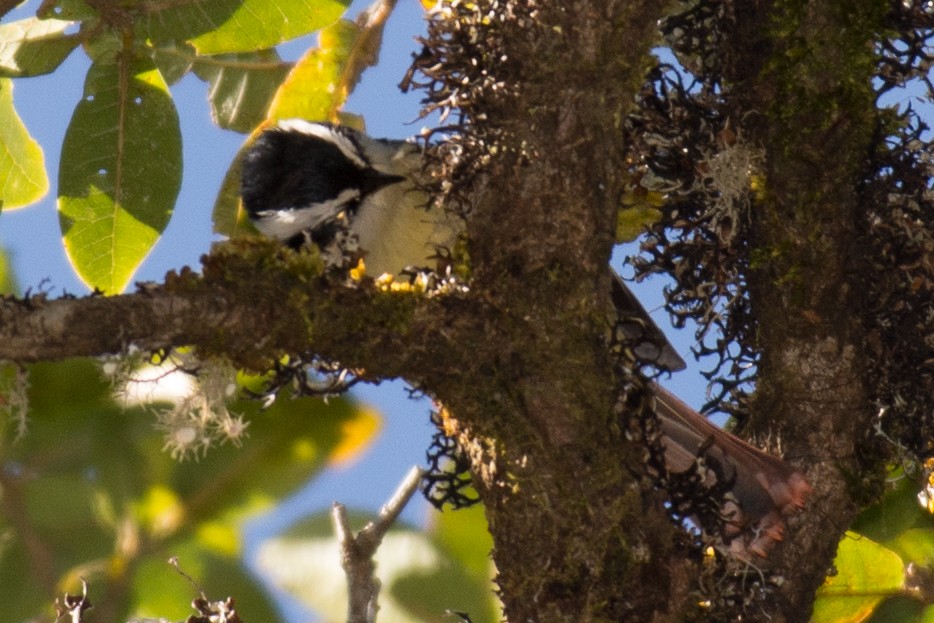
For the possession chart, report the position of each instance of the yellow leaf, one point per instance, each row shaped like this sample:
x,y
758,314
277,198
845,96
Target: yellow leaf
x,y
358,432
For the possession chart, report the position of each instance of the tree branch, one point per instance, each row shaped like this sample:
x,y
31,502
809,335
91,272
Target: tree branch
x,y
357,552
254,302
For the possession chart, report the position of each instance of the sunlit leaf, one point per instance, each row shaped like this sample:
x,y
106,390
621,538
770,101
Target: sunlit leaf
x,y
227,217
241,86
224,26
465,534
867,573
23,179
32,46
120,171
317,87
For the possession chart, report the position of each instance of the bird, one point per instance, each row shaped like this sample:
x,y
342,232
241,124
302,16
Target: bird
x,y
304,181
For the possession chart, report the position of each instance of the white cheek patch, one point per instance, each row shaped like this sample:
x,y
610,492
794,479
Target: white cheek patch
x,y
284,224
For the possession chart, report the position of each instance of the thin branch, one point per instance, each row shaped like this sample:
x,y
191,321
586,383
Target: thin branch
x,y
357,552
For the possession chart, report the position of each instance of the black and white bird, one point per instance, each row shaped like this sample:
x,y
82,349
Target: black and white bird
x,y
304,181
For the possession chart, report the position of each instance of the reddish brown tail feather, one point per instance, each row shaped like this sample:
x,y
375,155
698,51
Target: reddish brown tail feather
x,y
765,489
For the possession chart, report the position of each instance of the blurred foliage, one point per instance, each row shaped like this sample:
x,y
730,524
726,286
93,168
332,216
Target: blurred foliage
x,y
884,569
423,574
89,492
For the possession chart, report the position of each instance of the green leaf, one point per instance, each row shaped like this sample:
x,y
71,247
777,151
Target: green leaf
x,y
23,179
283,449
8,283
915,546
463,537
32,46
465,534
867,573
120,172
66,9
89,475
899,610
224,26
174,61
159,591
321,80
242,85
17,567
895,513
229,220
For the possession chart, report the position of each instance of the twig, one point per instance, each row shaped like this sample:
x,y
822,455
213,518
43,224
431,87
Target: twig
x,y
357,551
73,606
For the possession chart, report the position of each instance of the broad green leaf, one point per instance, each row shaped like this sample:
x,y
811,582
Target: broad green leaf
x,y
120,172
18,567
465,534
32,46
286,444
229,220
319,83
224,26
867,573
241,86
23,179
8,283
